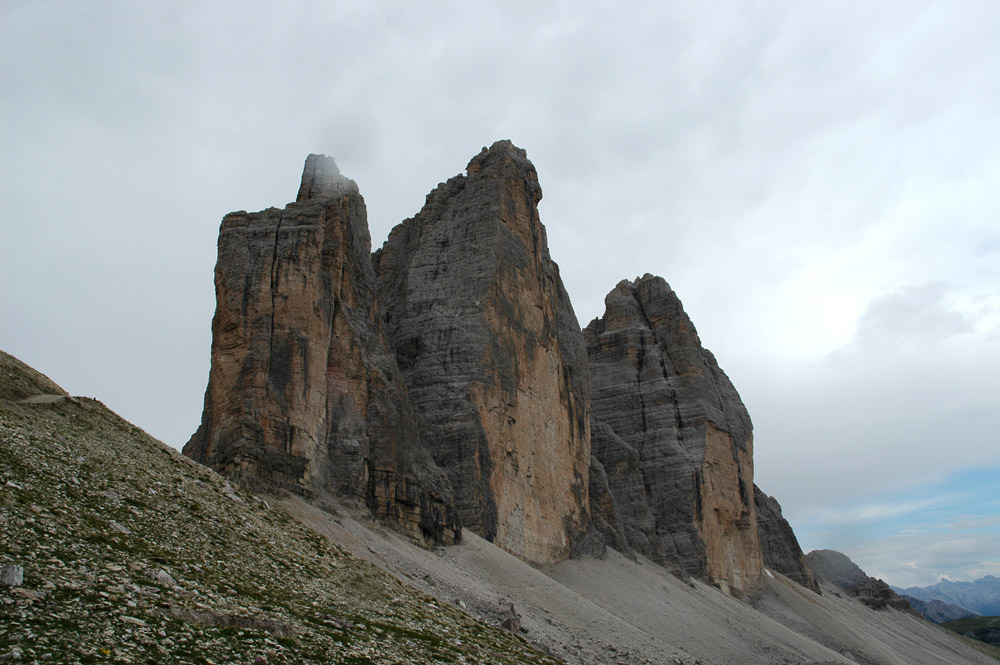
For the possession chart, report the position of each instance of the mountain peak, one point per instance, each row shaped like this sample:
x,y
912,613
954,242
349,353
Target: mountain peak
x,y
504,160
322,179
678,489
493,356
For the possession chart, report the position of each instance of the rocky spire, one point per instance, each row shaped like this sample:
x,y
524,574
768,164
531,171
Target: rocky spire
x,y
493,356
445,381
304,393
671,439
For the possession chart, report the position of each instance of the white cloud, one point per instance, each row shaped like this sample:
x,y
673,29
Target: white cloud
x,y
915,317
921,560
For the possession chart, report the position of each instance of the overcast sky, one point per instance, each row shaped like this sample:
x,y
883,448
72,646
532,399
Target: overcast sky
x,y
819,182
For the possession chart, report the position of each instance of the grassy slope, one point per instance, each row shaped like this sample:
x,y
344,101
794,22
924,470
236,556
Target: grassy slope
x,y
94,509
972,623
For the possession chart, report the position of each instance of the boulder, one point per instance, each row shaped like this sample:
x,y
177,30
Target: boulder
x,y
12,575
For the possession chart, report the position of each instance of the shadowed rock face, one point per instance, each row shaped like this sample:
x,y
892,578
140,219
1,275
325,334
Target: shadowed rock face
x,y
671,440
304,393
835,568
492,355
778,544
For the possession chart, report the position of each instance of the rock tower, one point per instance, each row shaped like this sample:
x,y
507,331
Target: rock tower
x,y
493,356
303,392
672,441
444,381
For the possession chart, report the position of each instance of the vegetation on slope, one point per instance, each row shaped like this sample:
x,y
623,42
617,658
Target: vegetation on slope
x,y
132,553
983,629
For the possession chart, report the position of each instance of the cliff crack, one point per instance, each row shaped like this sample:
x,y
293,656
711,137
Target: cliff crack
x,y
274,286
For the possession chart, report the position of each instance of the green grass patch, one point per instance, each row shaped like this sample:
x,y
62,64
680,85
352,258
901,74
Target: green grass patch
x,y
961,626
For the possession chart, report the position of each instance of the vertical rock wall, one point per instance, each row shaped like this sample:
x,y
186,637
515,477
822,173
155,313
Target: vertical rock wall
x,y
493,356
671,439
445,381
304,393
778,544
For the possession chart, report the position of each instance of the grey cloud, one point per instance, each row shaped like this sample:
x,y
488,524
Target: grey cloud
x,y
915,315
739,151
923,559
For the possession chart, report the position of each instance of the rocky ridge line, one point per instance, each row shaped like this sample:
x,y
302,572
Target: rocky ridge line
x,y
837,569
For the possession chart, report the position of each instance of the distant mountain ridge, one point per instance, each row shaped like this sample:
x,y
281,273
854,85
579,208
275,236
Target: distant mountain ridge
x,y
981,596
938,611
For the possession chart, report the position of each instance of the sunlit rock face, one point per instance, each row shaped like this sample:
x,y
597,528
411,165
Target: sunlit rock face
x,y
671,441
304,393
493,356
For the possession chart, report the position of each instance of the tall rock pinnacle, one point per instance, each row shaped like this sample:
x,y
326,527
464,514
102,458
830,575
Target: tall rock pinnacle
x,y
304,393
493,356
672,442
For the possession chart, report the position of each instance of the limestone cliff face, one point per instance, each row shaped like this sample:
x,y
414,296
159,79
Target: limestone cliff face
x,y
493,356
304,393
778,544
672,442
444,381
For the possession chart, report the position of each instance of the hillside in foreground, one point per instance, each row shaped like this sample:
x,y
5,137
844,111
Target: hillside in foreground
x,y
129,552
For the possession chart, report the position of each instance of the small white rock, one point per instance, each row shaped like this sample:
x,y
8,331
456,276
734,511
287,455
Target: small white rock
x,y
12,575
163,577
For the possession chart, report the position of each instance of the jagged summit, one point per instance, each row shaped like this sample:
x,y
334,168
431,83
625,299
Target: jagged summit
x,y
981,595
322,179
